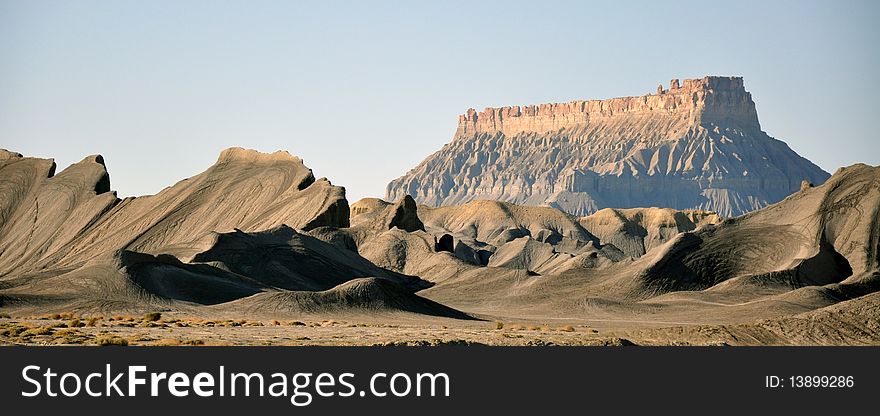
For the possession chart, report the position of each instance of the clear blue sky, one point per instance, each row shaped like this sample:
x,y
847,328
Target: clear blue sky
x,y
363,91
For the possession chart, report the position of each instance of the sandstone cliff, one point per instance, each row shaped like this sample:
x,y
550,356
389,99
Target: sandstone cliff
x,y
696,145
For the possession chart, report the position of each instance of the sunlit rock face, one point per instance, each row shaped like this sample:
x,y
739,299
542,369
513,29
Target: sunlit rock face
x,y
697,145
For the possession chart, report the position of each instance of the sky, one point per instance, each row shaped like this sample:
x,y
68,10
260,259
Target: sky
x,y
364,90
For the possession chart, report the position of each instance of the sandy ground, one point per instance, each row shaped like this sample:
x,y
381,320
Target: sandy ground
x,y
196,331
853,322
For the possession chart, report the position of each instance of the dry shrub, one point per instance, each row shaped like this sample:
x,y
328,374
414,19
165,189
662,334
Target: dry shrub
x,y
68,336
106,341
43,330
177,342
152,316
499,325
13,331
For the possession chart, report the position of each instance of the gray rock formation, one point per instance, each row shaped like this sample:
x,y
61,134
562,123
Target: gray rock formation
x,y
697,145
50,221
236,230
635,231
823,236
404,215
370,216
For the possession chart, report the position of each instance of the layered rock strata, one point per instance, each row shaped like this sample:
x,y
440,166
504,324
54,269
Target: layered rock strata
x,y
696,145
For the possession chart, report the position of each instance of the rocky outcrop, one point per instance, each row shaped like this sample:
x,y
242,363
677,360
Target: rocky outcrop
x,y
252,224
378,215
635,231
404,215
43,214
822,236
497,223
367,205
50,221
696,145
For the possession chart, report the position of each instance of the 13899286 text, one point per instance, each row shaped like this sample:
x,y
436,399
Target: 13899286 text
x,y
809,381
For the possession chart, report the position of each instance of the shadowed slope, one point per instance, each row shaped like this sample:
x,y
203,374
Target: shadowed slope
x,y
225,234
369,294
499,222
232,266
821,235
815,248
636,231
63,221
285,259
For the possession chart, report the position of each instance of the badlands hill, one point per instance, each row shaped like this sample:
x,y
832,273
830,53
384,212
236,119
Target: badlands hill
x,y
697,145
785,266
233,231
257,236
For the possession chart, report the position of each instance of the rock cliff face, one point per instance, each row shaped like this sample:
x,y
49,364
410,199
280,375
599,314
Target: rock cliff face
x,y
696,145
